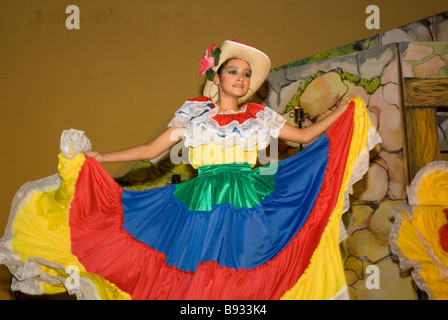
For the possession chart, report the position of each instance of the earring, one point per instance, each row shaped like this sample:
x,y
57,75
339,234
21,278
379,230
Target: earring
x,y
240,101
216,93
252,95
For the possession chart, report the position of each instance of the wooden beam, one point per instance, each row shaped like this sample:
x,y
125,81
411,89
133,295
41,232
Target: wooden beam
x,y
423,141
426,92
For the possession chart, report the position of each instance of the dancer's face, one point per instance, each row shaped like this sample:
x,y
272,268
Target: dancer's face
x,y
234,78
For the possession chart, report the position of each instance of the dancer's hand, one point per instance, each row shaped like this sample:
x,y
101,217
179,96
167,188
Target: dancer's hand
x,y
345,102
94,154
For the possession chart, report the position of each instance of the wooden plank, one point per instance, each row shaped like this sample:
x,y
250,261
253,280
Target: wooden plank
x,y
423,141
426,92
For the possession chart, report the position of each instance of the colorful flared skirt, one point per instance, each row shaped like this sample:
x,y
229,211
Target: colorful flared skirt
x,y
232,232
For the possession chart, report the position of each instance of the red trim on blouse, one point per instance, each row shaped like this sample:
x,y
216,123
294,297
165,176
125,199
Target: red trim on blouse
x,y
250,112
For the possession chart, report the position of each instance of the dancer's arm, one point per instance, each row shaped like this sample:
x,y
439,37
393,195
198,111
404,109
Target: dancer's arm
x,y
308,134
144,151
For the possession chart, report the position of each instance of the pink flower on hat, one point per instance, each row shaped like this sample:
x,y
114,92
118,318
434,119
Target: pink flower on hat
x,y
208,60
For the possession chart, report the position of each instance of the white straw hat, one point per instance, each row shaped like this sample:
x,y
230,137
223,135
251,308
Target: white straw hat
x,y
259,62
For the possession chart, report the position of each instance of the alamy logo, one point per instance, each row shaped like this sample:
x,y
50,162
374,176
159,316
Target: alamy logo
x,y
373,20
72,21
373,279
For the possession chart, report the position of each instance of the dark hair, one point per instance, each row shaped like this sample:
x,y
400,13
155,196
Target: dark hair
x,y
223,65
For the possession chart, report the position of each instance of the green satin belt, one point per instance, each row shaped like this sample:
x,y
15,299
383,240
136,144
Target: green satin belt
x,y
235,184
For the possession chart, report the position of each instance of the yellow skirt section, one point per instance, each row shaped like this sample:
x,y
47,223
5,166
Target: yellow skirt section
x,y
324,278
43,220
415,237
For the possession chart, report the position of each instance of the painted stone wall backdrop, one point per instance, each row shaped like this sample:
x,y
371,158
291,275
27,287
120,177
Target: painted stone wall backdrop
x,y
425,60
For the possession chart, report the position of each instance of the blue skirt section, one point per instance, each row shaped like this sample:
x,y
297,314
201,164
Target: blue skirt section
x,y
239,238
